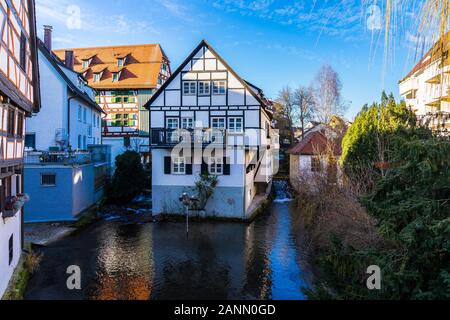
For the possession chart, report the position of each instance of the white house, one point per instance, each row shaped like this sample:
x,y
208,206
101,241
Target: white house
x,y
65,163
311,156
223,125
70,117
426,89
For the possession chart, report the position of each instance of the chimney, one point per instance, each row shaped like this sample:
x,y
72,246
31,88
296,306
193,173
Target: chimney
x,y
70,61
48,37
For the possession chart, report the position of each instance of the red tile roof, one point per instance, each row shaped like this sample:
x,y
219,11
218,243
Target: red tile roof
x,y
141,70
315,143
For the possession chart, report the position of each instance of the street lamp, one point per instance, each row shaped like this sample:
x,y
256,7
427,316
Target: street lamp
x,y
187,202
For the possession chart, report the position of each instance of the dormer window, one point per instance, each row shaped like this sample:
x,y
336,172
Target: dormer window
x,y
115,76
97,77
86,64
120,62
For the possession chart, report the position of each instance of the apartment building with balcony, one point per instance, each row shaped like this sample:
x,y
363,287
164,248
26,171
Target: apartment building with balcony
x,y
206,120
64,176
19,98
426,89
125,78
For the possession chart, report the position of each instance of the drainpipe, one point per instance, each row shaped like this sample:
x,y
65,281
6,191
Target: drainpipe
x,y
68,119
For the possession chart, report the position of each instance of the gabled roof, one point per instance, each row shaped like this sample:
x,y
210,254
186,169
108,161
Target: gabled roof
x,y
315,143
202,44
141,70
57,65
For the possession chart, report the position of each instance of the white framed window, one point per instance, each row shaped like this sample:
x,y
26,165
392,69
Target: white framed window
x,y
189,88
204,88
173,123
219,87
216,166
187,123
219,123
179,166
235,125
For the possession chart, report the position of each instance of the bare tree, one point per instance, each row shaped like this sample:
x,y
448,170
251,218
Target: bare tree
x,y
305,102
287,107
327,91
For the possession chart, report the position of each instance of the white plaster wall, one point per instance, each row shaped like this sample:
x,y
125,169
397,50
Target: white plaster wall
x,y
53,106
80,127
11,226
8,227
235,179
54,112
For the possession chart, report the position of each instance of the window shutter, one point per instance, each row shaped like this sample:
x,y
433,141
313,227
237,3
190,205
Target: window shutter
x,y
204,167
226,167
189,169
167,165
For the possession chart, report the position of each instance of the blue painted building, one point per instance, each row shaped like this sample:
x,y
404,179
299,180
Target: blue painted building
x,y
61,192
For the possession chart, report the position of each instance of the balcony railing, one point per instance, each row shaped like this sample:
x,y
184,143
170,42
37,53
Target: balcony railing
x,y
61,158
120,132
171,138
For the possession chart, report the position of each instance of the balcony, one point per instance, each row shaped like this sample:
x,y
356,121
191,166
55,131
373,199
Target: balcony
x,y
409,86
172,138
42,158
120,132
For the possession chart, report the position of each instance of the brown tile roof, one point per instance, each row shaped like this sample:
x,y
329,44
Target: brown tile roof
x,y
432,55
315,143
141,70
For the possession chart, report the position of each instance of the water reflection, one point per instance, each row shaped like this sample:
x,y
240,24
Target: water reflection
x,y
156,261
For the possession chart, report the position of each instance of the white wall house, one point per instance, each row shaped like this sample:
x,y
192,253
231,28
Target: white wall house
x,y
72,117
426,89
215,110
65,163
310,157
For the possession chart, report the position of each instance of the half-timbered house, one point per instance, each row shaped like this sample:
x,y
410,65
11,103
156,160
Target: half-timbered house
x,y
19,98
207,121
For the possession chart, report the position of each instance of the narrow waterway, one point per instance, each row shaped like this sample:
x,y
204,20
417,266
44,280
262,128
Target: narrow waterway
x,y
120,260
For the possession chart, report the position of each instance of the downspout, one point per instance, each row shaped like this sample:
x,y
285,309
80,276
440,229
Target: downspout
x,y
68,119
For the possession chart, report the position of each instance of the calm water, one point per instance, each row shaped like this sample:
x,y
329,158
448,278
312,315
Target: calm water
x,y
156,261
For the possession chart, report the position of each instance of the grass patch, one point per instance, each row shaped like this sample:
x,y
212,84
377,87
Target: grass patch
x,y
29,263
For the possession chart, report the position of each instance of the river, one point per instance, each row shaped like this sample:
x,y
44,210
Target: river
x,y
220,260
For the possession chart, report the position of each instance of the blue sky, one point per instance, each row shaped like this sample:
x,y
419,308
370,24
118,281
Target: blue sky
x,y
271,43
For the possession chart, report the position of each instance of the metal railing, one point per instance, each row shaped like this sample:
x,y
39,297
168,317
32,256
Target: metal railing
x,y
61,157
170,138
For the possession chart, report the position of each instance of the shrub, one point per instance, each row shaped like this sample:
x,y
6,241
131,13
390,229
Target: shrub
x,y
129,179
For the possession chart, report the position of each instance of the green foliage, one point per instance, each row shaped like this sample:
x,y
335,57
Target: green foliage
x,y
367,140
411,202
129,179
